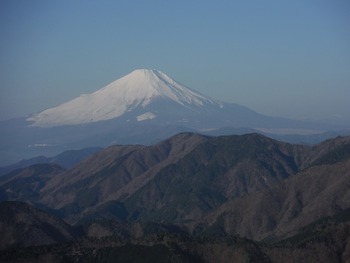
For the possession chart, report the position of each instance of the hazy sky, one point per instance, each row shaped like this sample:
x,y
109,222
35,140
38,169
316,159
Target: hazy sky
x,y
284,58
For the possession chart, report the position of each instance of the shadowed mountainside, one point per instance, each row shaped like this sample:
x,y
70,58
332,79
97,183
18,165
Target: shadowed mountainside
x,y
22,225
185,199
249,184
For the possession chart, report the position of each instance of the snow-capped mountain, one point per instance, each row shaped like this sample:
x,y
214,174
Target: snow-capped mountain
x,y
143,107
138,89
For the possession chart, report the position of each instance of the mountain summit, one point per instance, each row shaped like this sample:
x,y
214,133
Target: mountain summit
x,y
135,90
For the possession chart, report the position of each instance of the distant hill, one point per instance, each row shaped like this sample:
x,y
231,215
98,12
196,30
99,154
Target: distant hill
x,y
66,159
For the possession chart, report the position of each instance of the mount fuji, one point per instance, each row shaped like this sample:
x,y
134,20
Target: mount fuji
x,y
150,95
137,91
144,107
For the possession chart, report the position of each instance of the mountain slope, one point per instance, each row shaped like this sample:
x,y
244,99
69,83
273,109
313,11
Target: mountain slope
x,y
320,188
286,207
293,199
247,184
115,172
207,171
326,240
218,170
22,225
25,183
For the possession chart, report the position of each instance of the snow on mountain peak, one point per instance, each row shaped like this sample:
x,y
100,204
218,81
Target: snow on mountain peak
x,y
137,89
145,84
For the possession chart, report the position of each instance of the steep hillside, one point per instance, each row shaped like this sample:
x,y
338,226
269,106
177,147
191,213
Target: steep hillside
x,y
113,173
22,225
207,171
323,241
25,183
284,208
218,170
190,198
249,184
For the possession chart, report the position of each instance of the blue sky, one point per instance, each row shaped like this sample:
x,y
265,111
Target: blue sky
x,y
281,58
